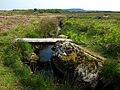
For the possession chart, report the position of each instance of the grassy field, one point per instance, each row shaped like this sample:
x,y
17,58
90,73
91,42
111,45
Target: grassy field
x,y
99,35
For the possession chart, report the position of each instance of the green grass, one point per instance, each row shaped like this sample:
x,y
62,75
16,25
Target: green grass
x,y
7,78
86,31
13,73
93,32
101,36
47,27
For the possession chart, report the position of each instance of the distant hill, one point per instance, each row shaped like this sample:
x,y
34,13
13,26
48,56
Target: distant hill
x,y
75,10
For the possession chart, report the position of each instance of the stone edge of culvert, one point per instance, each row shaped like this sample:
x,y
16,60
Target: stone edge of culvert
x,y
81,69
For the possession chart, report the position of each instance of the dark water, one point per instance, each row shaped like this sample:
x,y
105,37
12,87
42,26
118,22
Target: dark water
x,y
46,53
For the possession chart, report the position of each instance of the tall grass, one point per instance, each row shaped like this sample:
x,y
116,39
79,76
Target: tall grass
x,y
47,27
111,74
11,54
101,36
92,33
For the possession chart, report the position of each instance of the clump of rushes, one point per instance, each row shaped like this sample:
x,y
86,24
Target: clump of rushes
x,y
47,27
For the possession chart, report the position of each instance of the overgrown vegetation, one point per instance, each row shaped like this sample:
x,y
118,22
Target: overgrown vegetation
x,y
18,75
47,27
100,35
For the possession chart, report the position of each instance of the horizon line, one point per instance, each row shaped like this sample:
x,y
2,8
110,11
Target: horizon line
x,y
54,8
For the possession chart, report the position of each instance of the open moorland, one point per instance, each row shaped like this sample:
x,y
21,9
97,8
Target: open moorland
x,y
97,32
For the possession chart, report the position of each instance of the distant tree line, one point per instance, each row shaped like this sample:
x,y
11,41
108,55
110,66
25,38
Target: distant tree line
x,y
51,10
41,10
35,10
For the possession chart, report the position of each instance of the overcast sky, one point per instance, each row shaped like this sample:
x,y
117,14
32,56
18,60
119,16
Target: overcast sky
x,y
112,5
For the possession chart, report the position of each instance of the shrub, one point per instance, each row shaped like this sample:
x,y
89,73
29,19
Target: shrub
x,y
47,27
